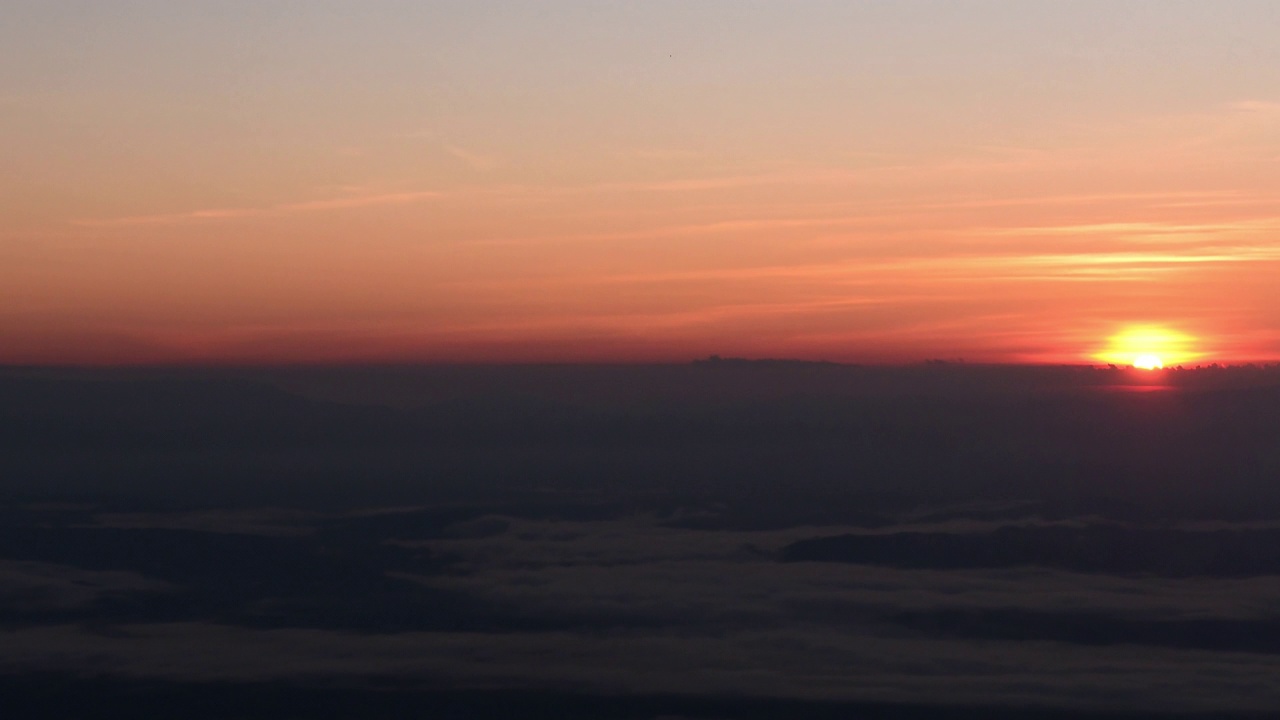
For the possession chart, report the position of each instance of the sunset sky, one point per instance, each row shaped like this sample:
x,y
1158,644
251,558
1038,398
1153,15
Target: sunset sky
x,y
392,180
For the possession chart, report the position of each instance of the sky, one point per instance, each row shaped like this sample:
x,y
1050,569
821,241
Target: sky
x,y
396,181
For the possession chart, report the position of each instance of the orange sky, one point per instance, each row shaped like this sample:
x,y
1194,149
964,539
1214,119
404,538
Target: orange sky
x,y
246,182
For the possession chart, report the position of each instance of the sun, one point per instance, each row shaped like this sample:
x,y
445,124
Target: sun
x,y
1148,347
1148,362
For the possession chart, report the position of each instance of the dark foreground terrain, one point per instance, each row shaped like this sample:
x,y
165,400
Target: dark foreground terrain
x,y
724,539
113,699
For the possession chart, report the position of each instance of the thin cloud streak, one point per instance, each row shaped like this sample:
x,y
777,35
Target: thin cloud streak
x,y
977,267
1135,230
338,203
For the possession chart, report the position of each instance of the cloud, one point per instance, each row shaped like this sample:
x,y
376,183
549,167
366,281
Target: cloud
x,y
666,610
36,586
1140,229
335,203
266,522
639,562
803,662
476,160
1268,107
401,198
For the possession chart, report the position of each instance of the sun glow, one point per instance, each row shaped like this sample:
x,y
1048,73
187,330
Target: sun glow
x,y
1148,348
1148,362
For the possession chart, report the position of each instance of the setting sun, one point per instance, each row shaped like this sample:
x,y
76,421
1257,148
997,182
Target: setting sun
x,y
1148,362
1148,348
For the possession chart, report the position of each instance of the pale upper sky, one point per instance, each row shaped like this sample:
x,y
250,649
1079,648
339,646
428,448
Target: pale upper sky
x,y
450,181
